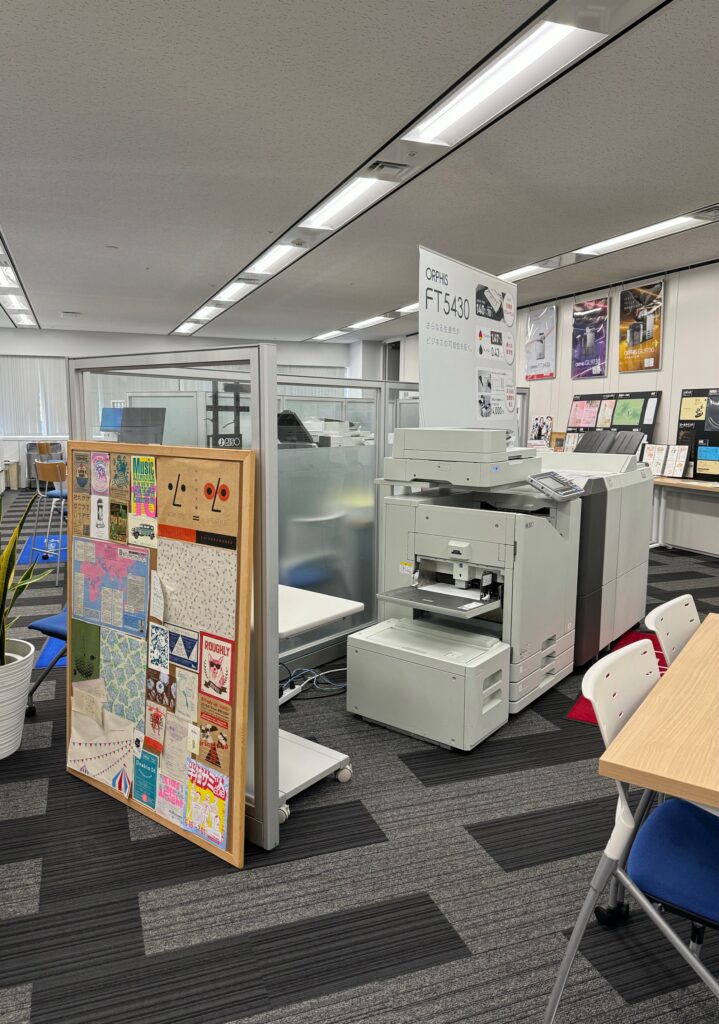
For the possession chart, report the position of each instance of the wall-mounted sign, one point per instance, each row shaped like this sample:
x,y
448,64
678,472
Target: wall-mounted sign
x,y
467,346
589,338
540,348
640,327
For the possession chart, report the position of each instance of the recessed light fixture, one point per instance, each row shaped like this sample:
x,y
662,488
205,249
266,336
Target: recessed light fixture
x,y
7,277
665,227
522,68
275,259
23,320
186,328
371,322
14,302
346,203
328,335
208,312
231,292
520,272
405,310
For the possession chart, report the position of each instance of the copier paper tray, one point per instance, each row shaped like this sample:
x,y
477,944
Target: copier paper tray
x,y
462,606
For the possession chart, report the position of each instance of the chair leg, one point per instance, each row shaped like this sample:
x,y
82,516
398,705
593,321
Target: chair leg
x,y
605,870
30,709
47,532
38,499
684,951
696,945
59,546
616,911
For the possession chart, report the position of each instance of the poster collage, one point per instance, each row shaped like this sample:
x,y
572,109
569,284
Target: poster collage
x,y
153,631
640,334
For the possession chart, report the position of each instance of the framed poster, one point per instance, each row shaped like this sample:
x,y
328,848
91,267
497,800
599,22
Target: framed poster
x,y
589,338
540,348
159,638
641,312
467,366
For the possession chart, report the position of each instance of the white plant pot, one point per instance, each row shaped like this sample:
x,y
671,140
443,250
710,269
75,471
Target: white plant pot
x,y
15,678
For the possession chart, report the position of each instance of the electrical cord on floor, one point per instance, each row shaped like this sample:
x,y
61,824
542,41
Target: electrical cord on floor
x,y
306,679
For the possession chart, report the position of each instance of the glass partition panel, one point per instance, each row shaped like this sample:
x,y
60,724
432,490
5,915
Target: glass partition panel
x,y
402,410
326,472
159,408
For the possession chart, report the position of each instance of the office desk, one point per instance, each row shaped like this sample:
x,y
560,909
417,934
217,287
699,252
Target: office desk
x,y
671,742
686,515
301,610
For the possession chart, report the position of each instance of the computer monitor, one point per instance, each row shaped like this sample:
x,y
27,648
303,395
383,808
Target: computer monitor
x,y
291,431
111,419
142,425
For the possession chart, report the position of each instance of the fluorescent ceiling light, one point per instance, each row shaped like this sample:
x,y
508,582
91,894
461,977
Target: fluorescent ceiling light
x,y
350,200
275,259
207,312
666,227
7,278
24,320
373,320
412,308
328,336
14,302
186,328
520,272
520,70
232,291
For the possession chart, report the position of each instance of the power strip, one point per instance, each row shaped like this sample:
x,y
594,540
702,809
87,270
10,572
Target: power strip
x,y
289,692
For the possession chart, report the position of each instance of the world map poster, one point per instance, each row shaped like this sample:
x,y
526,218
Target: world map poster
x,y
110,585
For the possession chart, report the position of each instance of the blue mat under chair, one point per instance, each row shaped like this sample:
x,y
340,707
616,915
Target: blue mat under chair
x,y
27,555
49,651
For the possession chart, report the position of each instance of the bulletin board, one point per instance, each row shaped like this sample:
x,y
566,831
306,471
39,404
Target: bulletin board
x,y
159,604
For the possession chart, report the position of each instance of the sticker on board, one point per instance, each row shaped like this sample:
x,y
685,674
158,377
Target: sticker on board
x,y
81,472
143,491
100,469
206,803
184,647
216,666
119,477
199,501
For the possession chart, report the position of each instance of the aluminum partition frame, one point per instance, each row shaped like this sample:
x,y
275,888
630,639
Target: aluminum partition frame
x,y
262,817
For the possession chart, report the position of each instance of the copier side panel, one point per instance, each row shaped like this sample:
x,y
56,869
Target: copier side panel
x,y
545,581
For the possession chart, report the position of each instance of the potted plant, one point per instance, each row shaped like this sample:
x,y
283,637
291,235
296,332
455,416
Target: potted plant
x,y
16,656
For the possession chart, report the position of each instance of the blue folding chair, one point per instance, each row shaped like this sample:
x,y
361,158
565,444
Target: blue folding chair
x,y
666,858
51,626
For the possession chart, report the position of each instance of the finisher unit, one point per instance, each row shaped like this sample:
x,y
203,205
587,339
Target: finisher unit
x,y
472,557
613,547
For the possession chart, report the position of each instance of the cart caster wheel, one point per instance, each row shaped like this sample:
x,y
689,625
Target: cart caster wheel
x,y
612,917
30,711
344,774
284,813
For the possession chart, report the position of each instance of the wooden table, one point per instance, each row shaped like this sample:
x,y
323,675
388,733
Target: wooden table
x,y
671,742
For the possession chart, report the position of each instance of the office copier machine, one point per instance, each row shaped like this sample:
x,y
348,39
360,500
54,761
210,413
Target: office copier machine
x,y
478,588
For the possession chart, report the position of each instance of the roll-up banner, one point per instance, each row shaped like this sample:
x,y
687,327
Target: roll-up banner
x,y
467,345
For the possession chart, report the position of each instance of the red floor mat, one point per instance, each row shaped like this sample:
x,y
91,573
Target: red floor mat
x,y
582,710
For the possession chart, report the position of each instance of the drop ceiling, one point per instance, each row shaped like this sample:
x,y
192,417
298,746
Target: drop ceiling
x,y
190,136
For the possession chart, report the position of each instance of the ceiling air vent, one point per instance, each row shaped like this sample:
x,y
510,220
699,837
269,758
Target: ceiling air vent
x,y
386,170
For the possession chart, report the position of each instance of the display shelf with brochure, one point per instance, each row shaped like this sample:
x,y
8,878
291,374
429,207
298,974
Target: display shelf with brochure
x,y
698,429
655,456
675,465
159,635
635,410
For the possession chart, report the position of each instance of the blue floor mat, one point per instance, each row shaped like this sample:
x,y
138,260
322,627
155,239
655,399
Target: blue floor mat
x,y
26,558
49,651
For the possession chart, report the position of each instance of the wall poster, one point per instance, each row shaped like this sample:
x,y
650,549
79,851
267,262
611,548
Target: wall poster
x,y
640,327
540,348
467,346
589,338
159,634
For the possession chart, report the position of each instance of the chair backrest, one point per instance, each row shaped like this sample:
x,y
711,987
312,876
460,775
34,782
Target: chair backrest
x,y
44,450
50,472
674,623
617,684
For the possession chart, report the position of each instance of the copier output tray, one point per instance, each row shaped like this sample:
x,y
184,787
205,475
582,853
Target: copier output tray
x,y
463,606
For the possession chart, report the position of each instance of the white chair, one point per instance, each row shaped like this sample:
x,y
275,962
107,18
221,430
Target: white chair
x,y
674,623
663,858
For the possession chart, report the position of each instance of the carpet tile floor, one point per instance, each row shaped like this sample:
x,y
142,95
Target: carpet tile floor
x,y
435,888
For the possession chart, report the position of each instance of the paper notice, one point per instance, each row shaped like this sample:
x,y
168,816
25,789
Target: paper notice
x,y
157,597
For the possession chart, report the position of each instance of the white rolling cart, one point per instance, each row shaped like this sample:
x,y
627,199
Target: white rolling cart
x,y
303,762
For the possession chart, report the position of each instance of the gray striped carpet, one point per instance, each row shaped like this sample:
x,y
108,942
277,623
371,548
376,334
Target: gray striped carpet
x,y
435,887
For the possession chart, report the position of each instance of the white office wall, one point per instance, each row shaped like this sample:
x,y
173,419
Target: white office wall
x,y
79,344
690,352
409,359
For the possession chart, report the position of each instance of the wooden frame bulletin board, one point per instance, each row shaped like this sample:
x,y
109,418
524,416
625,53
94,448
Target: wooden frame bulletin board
x,y
160,548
